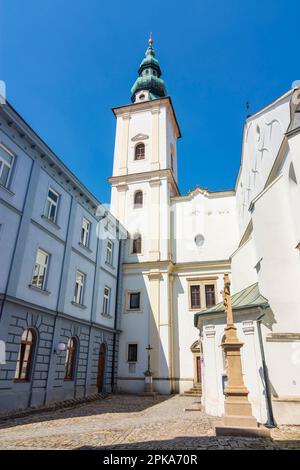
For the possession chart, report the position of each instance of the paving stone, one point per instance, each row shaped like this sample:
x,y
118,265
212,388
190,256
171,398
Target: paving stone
x,y
131,422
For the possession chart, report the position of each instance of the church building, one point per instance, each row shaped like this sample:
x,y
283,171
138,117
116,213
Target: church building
x,y
180,246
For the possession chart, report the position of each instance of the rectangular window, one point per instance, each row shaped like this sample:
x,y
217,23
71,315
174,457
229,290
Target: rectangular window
x,y
106,301
134,300
132,352
6,164
52,205
85,232
40,269
210,297
195,296
79,287
109,252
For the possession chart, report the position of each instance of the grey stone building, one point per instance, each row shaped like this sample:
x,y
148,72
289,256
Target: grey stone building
x,y
59,260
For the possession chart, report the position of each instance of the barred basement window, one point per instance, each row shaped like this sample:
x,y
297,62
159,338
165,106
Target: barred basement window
x,y
25,357
70,359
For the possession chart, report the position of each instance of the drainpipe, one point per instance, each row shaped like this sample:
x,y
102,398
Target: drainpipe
x,y
271,420
116,311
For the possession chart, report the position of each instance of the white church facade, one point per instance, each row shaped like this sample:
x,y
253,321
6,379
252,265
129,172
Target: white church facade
x,y
179,248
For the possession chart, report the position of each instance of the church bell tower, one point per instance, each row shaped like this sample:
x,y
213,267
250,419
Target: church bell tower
x,y
144,180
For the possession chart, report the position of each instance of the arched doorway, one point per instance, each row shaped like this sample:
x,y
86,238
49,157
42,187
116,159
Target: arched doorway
x,y
195,348
101,368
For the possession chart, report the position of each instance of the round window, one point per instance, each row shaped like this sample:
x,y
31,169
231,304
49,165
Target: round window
x,y
199,239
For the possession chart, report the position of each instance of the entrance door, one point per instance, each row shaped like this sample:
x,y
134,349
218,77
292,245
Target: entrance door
x,y
101,368
198,369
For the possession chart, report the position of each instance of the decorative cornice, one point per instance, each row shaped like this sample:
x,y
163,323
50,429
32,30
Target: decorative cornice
x,y
146,175
282,337
204,192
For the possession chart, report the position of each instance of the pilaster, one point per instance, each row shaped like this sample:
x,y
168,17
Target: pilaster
x,y
125,144
155,165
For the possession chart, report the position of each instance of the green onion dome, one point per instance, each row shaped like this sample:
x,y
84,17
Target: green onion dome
x,y
149,76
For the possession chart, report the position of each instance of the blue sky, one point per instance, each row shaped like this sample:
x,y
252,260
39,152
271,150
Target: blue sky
x,y
67,63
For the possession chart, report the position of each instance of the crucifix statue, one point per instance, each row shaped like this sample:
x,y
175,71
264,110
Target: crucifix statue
x,y
149,349
148,374
238,411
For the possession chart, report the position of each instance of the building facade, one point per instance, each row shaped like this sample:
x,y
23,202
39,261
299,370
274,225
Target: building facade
x,y
267,262
59,268
179,248
175,256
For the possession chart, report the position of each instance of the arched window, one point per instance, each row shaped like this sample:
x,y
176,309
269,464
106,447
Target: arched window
x,y
137,244
26,354
70,359
139,153
138,199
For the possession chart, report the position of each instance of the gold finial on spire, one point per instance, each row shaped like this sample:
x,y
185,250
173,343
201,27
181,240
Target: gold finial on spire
x,y
150,41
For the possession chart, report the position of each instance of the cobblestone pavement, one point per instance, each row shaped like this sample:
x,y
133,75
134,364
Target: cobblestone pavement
x,y
131,422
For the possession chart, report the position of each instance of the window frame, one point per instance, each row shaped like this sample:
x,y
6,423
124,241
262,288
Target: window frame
x,y
136,353
46,266
70,360
85,233
142,156
106,302
138,205
134,240
50,203
4,163
21,355
82,286
109,259
138,308
202,283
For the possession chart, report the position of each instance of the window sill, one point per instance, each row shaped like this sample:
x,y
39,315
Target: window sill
x,y
7,190
85,247
83,307
68,380
106,315
53,224
133,310
21,381
111,266
38,289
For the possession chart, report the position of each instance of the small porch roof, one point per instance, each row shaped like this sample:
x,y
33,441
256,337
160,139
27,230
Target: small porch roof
x,y
250,297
